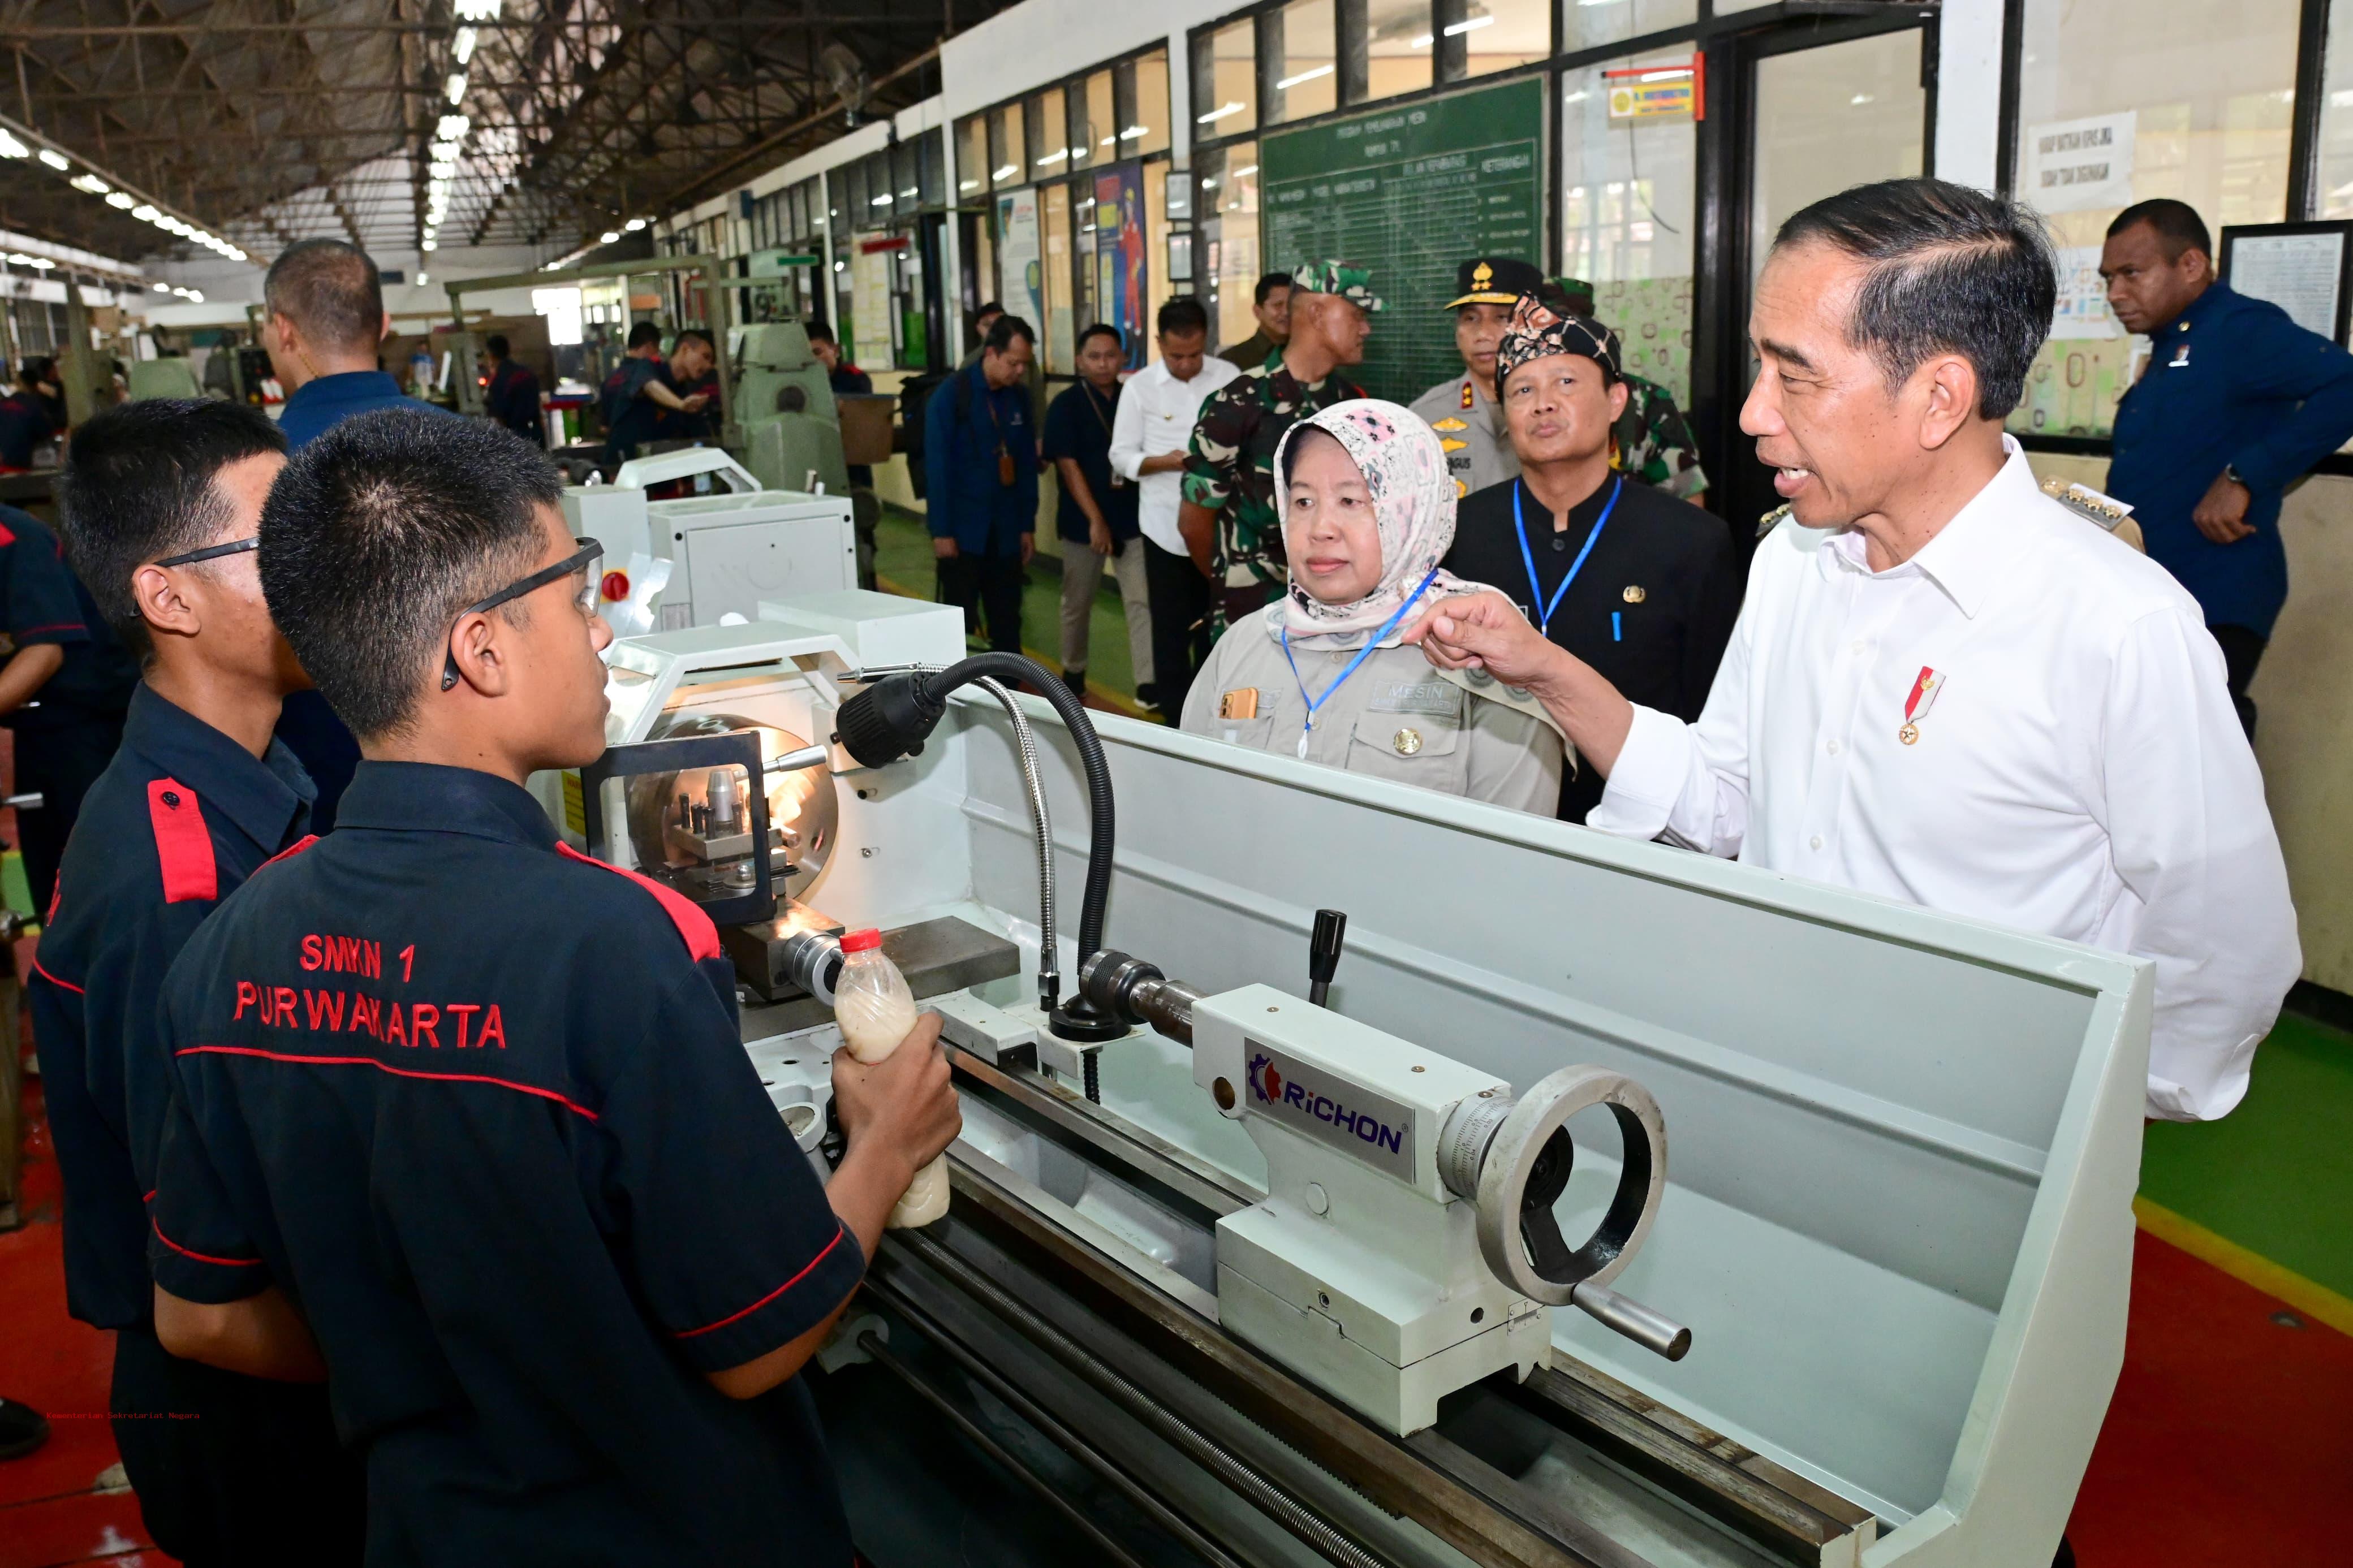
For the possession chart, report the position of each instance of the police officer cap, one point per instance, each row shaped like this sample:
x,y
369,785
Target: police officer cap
x,y
1494,280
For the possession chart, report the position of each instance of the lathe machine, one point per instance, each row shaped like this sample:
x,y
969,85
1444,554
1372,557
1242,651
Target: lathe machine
x,y
1273,1245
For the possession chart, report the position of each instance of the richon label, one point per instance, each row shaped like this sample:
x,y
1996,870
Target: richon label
x,y
1374,1129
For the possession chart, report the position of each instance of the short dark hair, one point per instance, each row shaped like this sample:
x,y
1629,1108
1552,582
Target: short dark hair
x,y
1004,329
819,333
991,309
641,334
1101,330
1952,270
692,335
379,532
497,346
1268,283
138,486
1181,317
2177,225
328,289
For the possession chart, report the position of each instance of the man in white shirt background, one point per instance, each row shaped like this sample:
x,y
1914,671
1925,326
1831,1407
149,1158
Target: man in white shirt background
x,y
1945,687
1148,441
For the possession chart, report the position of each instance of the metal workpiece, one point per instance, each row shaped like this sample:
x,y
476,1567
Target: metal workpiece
x,y
812,960
1136,993
1318,1532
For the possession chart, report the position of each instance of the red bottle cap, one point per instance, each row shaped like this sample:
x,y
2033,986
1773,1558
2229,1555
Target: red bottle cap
x,y
860,940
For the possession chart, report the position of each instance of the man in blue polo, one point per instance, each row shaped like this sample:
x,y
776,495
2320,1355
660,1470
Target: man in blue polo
x,y
980,454
467,1114
325,317
159,504
2238,402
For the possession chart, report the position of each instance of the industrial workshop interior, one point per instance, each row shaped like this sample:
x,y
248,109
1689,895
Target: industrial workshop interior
x,y
1385,783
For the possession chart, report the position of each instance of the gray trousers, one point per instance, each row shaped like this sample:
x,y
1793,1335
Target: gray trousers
x,y
1082,572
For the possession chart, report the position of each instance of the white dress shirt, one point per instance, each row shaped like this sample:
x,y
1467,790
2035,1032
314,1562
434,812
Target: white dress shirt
x,y
1155,416
2079,772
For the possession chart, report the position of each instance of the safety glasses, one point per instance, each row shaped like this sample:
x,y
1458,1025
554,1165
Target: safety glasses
x,y
582,560
212,552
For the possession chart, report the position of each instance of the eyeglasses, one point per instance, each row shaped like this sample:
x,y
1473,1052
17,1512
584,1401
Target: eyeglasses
x,y
212,552
582,560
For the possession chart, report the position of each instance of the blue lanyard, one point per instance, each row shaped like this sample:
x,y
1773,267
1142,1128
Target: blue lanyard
x,y
1528,557
1362,654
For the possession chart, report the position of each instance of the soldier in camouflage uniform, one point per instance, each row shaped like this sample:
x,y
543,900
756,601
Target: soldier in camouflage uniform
x,y
1650,439
1228,515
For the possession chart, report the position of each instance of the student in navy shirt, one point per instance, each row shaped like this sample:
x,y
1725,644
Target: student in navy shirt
x,y
642,391
160,501
980,457
2238,402
512,398
25,421
467,1112
325,317
62,691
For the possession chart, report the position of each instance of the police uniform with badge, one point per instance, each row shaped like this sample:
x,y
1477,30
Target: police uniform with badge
x,y
441,1001
1464,412
176,823
1644,587
67,731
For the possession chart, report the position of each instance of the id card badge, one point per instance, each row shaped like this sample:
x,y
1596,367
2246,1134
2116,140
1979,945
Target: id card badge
x,y
1004,466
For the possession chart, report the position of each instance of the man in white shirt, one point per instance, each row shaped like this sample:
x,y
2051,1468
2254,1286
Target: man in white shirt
x,y
1148,441
1945,687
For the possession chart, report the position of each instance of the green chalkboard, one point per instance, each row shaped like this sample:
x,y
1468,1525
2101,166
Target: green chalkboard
x,y
1410,192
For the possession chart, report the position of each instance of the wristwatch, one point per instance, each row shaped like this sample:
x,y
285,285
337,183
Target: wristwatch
x,y
2230,472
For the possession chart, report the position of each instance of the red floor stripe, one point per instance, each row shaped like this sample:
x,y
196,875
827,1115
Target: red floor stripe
x,y
2227,1440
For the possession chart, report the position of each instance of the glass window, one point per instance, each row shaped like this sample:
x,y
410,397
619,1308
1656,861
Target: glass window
x,y
2120,100
1084,312
972,158
1227,200
1308,81
1584,24
2335,196
1830,118
906,177
1055,203
1006,161
1500,33
1398,47
1156,268
1626,217
1225,81
1050,141
931,177
1142,105
1095,128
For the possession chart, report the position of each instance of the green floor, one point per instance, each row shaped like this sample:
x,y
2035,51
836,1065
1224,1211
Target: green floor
x,y
903,562
2276,1175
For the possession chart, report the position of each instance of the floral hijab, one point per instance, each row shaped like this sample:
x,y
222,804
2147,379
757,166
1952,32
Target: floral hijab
x,y
1413,507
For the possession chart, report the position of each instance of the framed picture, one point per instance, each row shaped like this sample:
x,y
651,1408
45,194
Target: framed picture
x,y
2305,268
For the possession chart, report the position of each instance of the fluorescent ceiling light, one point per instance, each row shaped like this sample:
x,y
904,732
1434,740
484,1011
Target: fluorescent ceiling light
x,y
1006,172
881,200
1245,169
119,200
1457,29
195,296
430,244
1219,113
462,49
1421,42
89,183
1287,83
1860,98
1056,156
39,263
967,185
441,171
634,225
456,87
12,148
163,288
54,159
422,280
608,237
144,213
477,10
453,127
1131,133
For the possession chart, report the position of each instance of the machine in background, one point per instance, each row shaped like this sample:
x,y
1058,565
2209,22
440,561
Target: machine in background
x,y
1898,1223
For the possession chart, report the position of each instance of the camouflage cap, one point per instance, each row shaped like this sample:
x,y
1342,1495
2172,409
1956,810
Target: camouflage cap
x,y
1345,279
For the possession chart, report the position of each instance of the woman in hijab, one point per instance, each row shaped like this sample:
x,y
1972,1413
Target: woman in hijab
x,y
1367,512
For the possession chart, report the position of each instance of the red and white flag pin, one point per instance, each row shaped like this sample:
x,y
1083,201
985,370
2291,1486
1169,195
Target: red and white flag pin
x,y
1916,706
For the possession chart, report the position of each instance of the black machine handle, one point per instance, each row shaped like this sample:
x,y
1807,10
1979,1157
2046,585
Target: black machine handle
x,y
1323,948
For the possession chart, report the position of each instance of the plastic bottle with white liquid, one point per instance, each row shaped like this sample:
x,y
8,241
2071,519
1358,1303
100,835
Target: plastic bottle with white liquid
x,y
876,1013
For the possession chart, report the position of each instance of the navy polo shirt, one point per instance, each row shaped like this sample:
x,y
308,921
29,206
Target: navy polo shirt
x,y
176,822
25,424
631,418
512,399
46,603
478,1103
1077,427
318,405
2230,382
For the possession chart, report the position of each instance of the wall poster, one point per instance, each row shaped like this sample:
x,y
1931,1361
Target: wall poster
x,y
1020,278
1120,291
